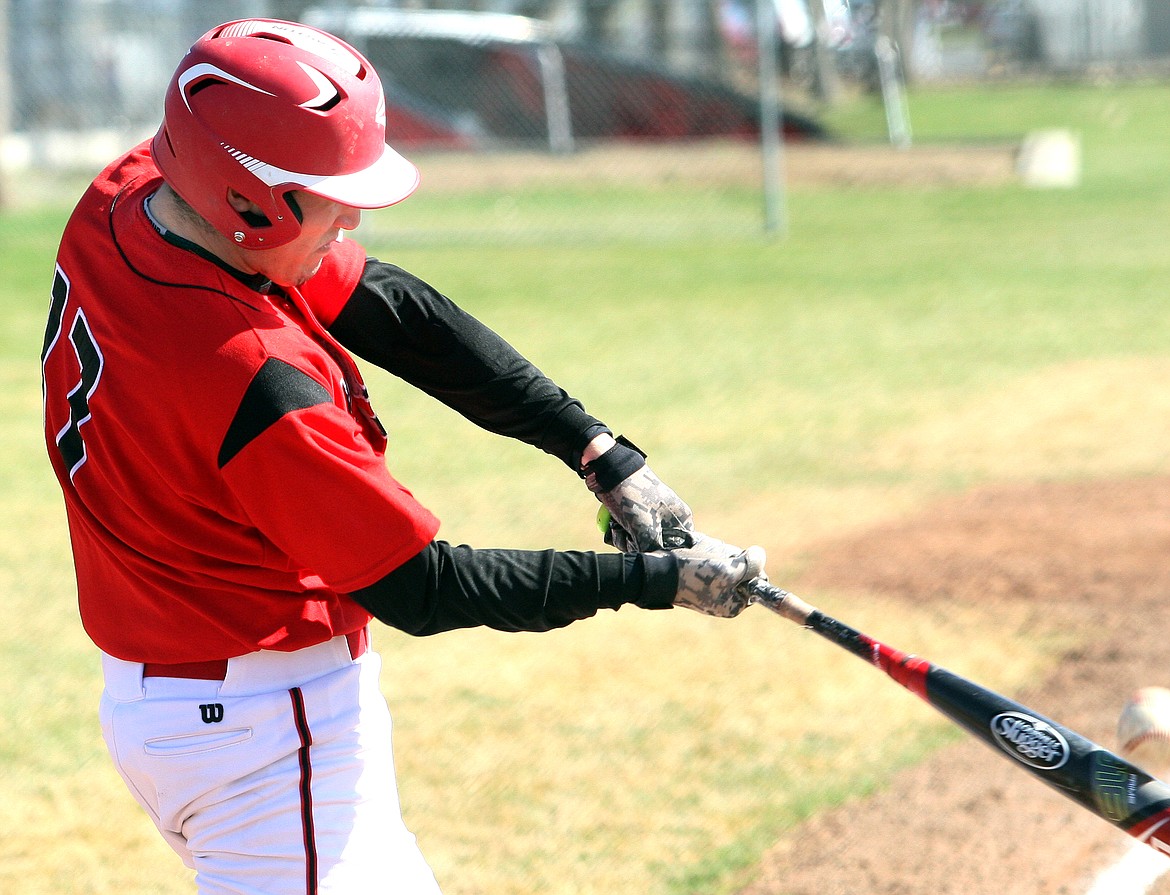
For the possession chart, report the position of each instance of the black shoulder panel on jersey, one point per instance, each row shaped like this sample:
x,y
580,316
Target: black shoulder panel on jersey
x,y
276,389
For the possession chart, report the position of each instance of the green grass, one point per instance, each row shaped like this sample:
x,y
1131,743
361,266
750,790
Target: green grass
x,y
899,344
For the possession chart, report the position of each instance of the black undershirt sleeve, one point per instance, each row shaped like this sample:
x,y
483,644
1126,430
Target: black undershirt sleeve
x,y
446,587
406,327
401,324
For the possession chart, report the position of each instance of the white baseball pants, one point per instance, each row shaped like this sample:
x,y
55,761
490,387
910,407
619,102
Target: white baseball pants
x,y
277,780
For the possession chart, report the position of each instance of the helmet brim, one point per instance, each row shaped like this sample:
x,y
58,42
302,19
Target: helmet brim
x,y
386,182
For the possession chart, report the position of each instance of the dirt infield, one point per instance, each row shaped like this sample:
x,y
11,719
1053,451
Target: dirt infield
x,y
706,164
721,163
1089,558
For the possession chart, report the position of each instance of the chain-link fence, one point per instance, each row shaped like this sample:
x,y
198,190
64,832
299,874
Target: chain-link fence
x,y
640,115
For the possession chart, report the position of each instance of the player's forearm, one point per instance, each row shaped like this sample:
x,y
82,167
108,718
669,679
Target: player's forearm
x,y
404,326
447,587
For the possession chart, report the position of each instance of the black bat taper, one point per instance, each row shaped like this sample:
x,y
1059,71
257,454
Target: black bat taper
x,y
1104,783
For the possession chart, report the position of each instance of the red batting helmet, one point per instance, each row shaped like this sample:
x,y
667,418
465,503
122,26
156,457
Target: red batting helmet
x,y
266,107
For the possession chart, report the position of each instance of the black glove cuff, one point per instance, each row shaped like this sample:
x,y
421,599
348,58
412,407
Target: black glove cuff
x,y
659,580
587,436
616,465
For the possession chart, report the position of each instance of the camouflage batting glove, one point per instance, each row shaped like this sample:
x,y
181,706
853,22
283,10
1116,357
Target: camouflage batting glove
x,y
643,510
710,573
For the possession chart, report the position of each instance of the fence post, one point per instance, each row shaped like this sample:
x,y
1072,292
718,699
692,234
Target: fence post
x,y
5,99
771,120
893,91
558,118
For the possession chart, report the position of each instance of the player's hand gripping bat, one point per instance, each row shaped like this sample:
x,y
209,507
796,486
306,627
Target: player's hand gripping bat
x,y
1104,783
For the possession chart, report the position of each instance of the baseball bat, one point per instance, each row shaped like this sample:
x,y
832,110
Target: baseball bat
x,y
1104,783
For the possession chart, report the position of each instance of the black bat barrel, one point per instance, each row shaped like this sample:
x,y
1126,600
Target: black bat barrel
x,y
1108,785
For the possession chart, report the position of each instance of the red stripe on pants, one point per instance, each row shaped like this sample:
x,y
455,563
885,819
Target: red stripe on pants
x,y
306,786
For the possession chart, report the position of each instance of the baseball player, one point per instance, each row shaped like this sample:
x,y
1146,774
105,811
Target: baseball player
x,y
233,522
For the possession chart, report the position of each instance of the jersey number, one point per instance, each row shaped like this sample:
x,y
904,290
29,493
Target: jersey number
x,y
90,361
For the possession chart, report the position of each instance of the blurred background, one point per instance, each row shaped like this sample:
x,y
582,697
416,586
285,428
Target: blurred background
x,y
693,84
689,91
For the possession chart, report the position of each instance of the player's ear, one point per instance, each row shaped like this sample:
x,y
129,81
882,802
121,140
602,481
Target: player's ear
x,y
248,210
241,203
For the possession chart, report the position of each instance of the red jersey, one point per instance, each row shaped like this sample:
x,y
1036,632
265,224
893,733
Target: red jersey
x,y
220,493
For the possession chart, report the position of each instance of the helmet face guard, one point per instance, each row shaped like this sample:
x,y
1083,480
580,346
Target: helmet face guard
x,y
264,107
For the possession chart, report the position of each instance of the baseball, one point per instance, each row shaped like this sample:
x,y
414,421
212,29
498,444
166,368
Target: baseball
x,y
1143,730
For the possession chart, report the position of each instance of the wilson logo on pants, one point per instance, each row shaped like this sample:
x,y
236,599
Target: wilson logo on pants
x,y
212,713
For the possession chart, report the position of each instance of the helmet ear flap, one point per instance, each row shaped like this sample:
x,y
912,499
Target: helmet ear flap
x,y
261,229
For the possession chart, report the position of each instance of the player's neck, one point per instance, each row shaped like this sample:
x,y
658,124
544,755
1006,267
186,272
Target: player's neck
x,y
165,207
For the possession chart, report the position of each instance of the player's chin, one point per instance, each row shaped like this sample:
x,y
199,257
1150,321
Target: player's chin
x,y
308,271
